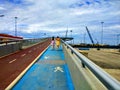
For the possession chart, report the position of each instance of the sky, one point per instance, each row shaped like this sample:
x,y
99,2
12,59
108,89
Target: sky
x,y
47,18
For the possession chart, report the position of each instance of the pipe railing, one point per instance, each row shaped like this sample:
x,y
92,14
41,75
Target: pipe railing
x,y
21,40
105,78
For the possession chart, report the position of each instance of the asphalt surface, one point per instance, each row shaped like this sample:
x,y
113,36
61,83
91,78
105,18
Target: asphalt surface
x,y
12,65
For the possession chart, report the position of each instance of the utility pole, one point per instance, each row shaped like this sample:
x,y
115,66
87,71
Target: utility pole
x,y
71,35
71,32
118,39
102,33
16,26
66,32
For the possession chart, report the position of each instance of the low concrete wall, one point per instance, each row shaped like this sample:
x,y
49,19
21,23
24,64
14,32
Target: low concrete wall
x,y
15,46
10,48
82,78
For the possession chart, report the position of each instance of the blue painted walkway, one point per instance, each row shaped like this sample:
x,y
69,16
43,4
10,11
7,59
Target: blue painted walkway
x,y
50,72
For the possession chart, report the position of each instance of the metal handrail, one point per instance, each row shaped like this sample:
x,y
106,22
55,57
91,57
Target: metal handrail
x,y
18,40
105,78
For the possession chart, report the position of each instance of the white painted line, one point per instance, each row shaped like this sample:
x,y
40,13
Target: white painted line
x,y
58,69
46,57
12,61
23,55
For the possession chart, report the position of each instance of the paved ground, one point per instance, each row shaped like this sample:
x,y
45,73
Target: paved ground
x,y
50,72
12,65
109,60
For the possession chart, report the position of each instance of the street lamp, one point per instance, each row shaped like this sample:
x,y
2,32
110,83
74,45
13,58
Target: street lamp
x,y
71,32
16,26
102,33
118,39
66,33
71,35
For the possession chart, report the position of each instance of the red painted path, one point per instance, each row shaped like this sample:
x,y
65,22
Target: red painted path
x,y
12,65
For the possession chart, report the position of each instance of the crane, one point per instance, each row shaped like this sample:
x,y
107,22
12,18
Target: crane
x,y
90,35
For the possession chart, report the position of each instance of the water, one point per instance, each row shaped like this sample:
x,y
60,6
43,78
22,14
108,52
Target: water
x,y
50,72
83,48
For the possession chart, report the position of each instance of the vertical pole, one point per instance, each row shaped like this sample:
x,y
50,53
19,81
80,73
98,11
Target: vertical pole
x,y
15,26
118,39
102,33
71,32
84,37
71,35
66,32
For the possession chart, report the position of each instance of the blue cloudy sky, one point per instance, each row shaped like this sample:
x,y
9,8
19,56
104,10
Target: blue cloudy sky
x,y
36,17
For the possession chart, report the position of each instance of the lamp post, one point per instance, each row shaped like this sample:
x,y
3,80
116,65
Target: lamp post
x,y
71,32
16,26
66,33
71,35
102,33
118,39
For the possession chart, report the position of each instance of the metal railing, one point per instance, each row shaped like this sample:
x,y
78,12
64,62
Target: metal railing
x,y
23,41
105,78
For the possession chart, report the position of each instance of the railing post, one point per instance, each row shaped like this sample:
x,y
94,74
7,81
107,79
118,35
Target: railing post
x,y
83,65
71,51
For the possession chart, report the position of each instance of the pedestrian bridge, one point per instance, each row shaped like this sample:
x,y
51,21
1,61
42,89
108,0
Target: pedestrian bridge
x,y
63,69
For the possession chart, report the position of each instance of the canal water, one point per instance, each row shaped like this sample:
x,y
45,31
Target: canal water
x,y
49,72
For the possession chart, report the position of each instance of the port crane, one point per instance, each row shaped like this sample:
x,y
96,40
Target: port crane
x,y
90,35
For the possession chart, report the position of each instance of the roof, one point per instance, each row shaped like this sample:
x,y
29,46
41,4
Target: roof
x,y
10,36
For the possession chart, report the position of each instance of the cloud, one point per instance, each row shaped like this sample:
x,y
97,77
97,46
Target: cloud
x,y
2,8
86,11
114,27
55,16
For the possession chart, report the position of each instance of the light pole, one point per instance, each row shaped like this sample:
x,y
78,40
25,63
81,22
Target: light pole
x,y
71,32
102,33
44,35
71,35
66,33
118,39
16,26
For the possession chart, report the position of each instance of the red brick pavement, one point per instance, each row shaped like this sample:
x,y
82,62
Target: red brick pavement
x,y
12,65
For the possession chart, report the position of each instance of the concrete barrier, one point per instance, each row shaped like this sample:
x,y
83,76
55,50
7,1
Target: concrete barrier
x,y
82,78
10,48
14,46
